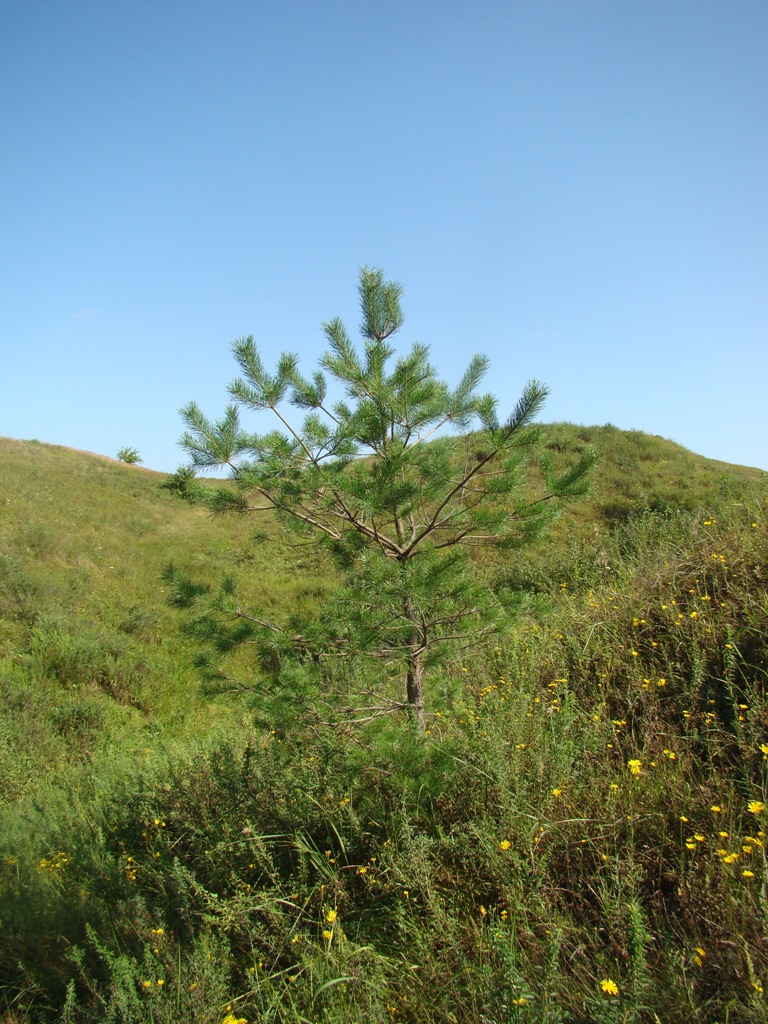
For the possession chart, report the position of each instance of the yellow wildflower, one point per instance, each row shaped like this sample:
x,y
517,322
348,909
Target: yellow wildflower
x,y
609,987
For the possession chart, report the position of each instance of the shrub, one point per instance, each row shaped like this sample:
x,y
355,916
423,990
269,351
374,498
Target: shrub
x,y
129,455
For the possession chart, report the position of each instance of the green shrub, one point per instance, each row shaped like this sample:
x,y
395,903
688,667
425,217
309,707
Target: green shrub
x,y
129,455
184,484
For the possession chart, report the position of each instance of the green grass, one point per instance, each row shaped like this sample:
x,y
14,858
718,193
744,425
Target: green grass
x,y
90,642
586,814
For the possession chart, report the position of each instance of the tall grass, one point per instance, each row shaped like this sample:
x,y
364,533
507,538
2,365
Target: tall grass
x,y
580,837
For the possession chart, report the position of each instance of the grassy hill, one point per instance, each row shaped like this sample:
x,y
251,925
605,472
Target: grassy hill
x,y
579,838
83,614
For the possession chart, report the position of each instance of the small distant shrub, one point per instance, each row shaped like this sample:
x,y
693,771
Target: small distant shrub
x,y
183,483
129,455
87,656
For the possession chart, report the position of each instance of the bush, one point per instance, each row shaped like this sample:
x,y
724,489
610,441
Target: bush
x,y
184,484
129,455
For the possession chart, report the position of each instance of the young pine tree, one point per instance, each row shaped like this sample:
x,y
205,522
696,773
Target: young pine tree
x,y
399,476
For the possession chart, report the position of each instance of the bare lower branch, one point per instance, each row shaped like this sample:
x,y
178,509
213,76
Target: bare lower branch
x,y
376,713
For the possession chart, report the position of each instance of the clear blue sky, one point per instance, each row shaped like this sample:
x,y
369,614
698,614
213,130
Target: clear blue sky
x,y
576,188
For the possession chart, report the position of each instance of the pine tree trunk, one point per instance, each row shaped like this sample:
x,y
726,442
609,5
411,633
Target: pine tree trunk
x,y
414,691
415,673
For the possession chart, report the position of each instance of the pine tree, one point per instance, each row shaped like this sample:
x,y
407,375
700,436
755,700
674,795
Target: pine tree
x,y
400,476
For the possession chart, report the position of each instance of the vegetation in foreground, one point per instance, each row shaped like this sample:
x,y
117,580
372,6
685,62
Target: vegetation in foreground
x,y
579,837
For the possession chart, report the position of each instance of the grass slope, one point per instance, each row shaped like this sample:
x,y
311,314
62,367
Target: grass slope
x,y
87,634
580,838
89,644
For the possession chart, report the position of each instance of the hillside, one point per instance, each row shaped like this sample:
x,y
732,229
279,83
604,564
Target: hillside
x,y
580,837
84,539
91,514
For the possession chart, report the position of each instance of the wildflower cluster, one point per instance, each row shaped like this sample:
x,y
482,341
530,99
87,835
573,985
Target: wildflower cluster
x,y
54,864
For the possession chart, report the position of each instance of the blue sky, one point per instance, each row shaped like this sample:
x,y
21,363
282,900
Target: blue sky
x,y
576,188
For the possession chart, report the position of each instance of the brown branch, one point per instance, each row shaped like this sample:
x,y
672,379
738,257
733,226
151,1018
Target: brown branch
x,y
296,435
377,713
444,503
